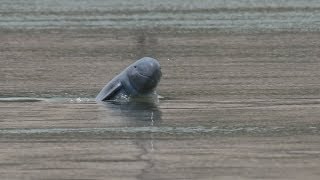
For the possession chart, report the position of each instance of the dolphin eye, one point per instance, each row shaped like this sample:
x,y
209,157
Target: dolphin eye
x,y
135,66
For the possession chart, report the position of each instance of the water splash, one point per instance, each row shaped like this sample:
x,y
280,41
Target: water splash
x,y
80,100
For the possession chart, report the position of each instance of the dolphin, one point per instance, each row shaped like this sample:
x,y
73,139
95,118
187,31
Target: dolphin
x,y
140,79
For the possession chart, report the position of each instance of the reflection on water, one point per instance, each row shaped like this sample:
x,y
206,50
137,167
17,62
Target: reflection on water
x,y
139,113
167,118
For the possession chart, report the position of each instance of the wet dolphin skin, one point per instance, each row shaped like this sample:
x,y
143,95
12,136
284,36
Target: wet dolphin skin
x,y
139,79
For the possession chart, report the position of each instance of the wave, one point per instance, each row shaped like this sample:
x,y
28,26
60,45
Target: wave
x,y
53,99
164,130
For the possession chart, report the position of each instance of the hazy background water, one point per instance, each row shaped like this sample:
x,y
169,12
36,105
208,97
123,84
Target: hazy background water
x,y
227,15
240,86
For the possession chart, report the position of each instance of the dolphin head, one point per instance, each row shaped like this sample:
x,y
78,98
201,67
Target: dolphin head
x,y
144,75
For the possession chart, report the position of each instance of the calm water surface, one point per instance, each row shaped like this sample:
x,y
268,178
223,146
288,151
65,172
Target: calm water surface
x,y
240,87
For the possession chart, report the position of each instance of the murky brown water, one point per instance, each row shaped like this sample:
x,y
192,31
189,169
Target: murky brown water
x,y
241,99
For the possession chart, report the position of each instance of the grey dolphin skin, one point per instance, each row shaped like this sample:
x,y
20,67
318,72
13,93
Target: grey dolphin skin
x,y
139,79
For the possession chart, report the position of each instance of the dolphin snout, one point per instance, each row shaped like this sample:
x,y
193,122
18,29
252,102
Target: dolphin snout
x,y
145,74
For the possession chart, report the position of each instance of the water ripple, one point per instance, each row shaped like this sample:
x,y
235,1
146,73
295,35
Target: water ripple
x,y
165,130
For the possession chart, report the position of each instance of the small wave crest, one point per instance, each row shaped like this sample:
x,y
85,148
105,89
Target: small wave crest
x,y
53,99
22,99
164,130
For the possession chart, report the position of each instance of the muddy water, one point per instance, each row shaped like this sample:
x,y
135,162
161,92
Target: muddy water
x,y
240,87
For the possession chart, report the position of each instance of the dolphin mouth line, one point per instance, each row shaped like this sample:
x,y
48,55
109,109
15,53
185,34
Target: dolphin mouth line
x,y
149,77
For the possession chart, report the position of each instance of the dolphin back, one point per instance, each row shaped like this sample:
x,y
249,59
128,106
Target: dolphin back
x,y
110,90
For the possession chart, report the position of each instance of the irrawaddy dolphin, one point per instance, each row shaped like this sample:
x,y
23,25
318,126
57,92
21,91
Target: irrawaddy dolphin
x,y
137,80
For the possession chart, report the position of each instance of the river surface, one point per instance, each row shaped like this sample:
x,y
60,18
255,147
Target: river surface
x,y
240,89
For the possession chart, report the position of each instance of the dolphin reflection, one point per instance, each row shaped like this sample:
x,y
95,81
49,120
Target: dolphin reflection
x,y
136,113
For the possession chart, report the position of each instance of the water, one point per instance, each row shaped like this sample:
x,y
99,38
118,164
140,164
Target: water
x,y
240,87
232,15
